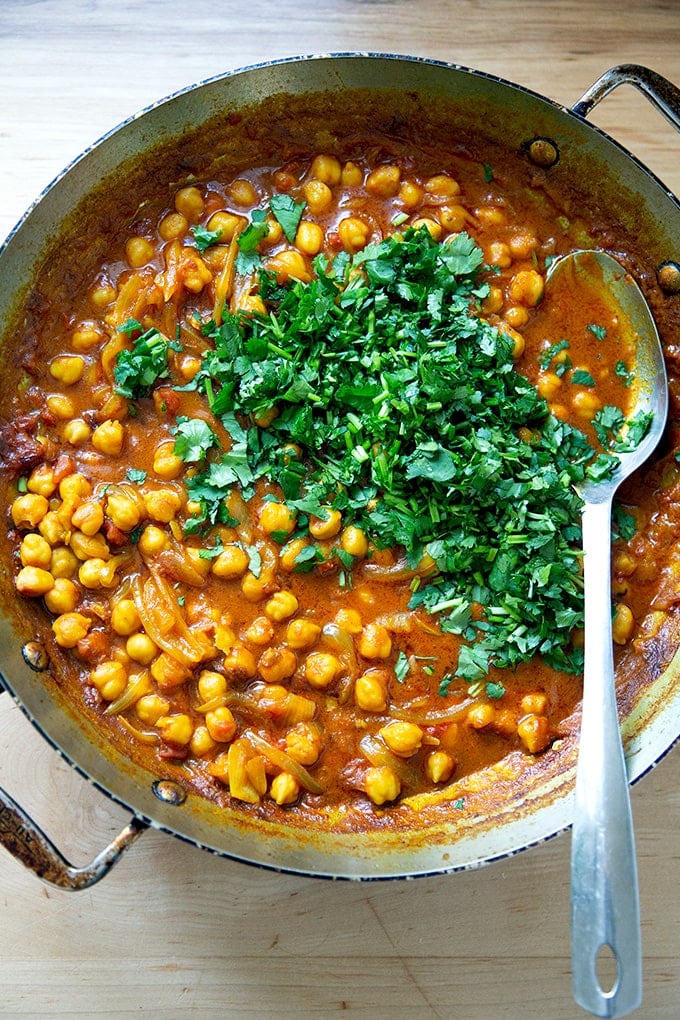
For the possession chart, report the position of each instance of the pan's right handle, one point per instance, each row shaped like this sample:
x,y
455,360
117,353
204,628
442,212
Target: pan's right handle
x,y
661,92
28,843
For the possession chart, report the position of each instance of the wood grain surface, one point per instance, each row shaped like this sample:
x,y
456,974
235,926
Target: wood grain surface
x,y
173,931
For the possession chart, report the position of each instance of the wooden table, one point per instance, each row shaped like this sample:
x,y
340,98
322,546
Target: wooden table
x,y
174,931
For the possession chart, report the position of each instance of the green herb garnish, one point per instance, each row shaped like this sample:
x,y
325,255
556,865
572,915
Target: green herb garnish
x,y
138,368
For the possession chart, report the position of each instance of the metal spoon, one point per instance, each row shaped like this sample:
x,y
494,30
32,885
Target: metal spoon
x,y
604,890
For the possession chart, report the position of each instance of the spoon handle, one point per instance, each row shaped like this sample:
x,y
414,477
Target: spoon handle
x,y
604,889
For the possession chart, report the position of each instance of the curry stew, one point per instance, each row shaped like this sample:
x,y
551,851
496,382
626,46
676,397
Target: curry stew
x,y
253,576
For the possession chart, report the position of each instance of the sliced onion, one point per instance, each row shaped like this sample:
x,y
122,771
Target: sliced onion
x,y
144,736
283,761
447,715
132,693
169,632
399,571
378,754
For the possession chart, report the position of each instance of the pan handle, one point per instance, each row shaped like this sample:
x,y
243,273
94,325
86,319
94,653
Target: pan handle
x,y
661,92
28,843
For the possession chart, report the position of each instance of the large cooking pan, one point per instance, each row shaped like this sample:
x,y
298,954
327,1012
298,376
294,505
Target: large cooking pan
x,y
517,817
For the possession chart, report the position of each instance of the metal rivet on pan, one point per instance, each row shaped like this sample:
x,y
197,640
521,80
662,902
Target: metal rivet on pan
x,y
169,792
542,152
668,277
35,656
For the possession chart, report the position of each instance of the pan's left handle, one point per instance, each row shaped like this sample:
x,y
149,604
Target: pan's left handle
x,y
661,92
28,843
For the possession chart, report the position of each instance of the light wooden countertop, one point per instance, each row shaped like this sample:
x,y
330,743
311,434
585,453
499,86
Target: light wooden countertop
x,y
174,931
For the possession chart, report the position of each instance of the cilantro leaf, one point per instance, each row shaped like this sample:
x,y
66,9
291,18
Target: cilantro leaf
x,y
288,212
193,439
135,475
138,368
204,238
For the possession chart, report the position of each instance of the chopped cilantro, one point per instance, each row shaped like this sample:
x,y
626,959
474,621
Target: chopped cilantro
x,y
598,331
193,439
135,475
248,259
204,238
621,369
288,212
494,690
581,377
138,368
401,667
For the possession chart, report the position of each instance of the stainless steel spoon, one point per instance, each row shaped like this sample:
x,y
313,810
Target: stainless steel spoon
x,y
605,915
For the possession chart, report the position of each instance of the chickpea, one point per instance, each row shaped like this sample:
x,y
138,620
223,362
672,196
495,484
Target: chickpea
x,y
290,552
220,724
281,606
252,304
481,715
28,510
516,316
526,288
232,562
62,596
108,438
284,788
623,624
227,223
442,186
239,663
534,704
74,487
382,784
439,766
327,526
548,385
452,218
176,729
242,192
255,589
276,664
522,244
264,418
403,738
276,518
141,648
534,732
110,679
321,669
384,181
410,195
375,642
586,404
67,368
152,541
162,505
63,562
189,203
211,685
51,528
151,707
87,547
96,573
41,481
88,517
303,743
77,432
34,581
102,296
352,176
309,238
201,743
433,227
349,620
370,691
497,253
327,169
491,216
124,511
125,618
354,541
317,195
138,251
69,628
289,264
35,551
302,633
173,226
354,233
60,406
85,337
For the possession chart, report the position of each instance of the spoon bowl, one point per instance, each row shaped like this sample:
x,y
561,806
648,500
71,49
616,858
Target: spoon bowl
x,y
605,915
